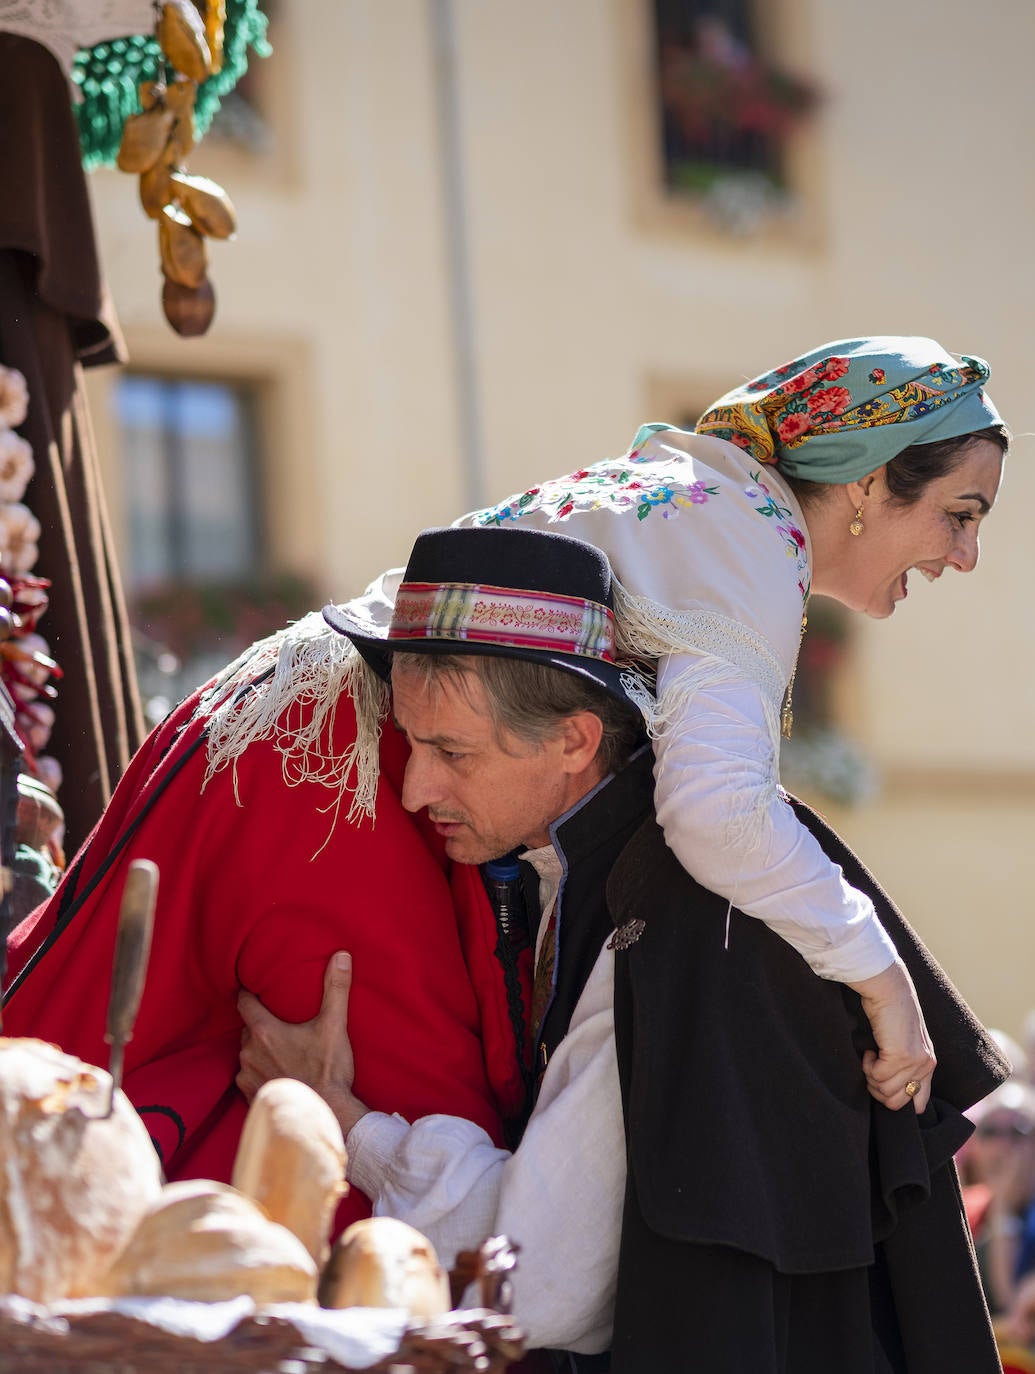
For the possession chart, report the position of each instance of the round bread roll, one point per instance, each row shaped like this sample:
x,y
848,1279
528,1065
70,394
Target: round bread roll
x,y
291,1161
381,1262
207,1242
73,1183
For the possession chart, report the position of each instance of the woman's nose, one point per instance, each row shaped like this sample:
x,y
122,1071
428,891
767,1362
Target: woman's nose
x,y
967,550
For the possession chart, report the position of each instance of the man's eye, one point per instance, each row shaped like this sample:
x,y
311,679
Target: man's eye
x,y
450,754
962,517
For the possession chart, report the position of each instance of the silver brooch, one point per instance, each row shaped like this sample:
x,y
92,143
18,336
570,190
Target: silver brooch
x,y
626,935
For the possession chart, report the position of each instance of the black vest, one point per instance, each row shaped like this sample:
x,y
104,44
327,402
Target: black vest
x,y
589,841
749,1125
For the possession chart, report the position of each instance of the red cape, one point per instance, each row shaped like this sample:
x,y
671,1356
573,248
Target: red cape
x,y
248,898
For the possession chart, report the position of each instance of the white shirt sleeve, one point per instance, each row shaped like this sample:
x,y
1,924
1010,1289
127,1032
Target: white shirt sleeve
x,y
559,1196
715,765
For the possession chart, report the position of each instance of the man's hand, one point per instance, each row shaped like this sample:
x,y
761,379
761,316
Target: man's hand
x,y
316,1052
904,1050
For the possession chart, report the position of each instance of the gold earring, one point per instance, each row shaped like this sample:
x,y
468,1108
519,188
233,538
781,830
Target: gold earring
x,y
856,527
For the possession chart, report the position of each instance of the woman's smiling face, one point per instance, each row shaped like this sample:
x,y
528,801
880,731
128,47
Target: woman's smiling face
x,y
938,531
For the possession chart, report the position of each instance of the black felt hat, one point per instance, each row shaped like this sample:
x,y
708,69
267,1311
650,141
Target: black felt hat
x,y
515,593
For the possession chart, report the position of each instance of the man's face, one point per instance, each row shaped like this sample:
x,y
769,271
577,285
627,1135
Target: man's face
x,y
487,792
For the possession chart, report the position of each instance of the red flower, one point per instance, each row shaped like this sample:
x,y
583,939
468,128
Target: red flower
x,y
797,536
797,422
832,399
566,509
577,476
741,440
832,368
877,376
802,382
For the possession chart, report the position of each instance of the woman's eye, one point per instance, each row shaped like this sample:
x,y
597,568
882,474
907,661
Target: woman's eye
x,y
962,517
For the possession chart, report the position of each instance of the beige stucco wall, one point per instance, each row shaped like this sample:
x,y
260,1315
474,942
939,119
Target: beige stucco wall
x,y
593,302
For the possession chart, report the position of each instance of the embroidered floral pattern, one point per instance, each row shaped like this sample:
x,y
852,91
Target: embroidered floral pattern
x,y
608,485
794,538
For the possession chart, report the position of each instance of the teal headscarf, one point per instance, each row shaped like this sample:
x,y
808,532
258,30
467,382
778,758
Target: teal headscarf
x,y
845,409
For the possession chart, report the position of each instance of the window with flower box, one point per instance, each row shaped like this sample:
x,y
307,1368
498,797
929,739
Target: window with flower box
x,y
198,583
725,108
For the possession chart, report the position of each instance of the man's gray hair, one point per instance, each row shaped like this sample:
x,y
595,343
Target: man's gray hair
x,y
531,700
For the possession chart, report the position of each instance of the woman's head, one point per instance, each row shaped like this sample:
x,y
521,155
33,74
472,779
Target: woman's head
x,y
893,450
921,512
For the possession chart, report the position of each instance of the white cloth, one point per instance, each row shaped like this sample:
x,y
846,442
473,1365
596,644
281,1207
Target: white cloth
x,y
713,557
559,1196
65,26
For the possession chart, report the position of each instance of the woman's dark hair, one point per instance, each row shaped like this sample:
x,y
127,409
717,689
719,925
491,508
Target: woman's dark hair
x,y
909,472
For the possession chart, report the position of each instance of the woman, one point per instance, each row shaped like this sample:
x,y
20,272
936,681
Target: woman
x,y
839,473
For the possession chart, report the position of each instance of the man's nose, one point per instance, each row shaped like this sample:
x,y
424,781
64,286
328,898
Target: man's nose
x,y
418,788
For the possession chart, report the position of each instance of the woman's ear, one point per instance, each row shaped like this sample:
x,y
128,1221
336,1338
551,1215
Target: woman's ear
x,y
860,490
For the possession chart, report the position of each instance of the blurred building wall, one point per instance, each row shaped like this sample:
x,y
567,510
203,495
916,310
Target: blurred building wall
x,y
407,372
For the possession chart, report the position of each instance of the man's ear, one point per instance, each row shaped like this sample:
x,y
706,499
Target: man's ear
x,y
580,737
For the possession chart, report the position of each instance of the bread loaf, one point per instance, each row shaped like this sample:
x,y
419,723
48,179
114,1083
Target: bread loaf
x,y
73,1184
291,1161
381,1262
207,1242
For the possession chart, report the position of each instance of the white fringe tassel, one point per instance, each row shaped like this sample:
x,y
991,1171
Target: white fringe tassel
x,y
295,708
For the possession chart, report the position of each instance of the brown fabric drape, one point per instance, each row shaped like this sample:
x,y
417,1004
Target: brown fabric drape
x,y
54,319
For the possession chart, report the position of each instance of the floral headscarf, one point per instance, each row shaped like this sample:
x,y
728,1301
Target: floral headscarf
x,y
843,410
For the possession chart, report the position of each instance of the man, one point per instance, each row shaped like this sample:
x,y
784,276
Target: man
x,y
771,1215
238,798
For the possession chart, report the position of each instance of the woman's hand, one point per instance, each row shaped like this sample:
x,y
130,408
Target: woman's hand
x,y
904,1050
316,1052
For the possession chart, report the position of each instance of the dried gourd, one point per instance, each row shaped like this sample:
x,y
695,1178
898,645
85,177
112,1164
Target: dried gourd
x,y
155,190
207,204
180,96
189,309
291,1161
215,26
144,137
183,252
181,36
381,1262
205,1242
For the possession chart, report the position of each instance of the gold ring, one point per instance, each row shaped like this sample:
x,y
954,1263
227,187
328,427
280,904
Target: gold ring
x,y
912,1087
